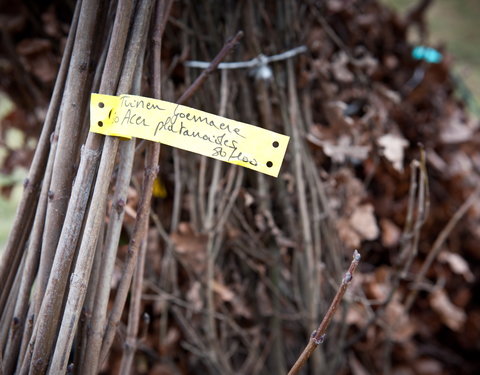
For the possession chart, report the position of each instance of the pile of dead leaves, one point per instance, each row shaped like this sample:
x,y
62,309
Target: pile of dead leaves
x,y
383,157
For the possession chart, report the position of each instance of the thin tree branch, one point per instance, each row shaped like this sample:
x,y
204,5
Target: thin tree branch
x,y
82,347
437,245
151,171
131,341
308,269
81,274
72,225
72,115
144,209
318,336
33,257
213,65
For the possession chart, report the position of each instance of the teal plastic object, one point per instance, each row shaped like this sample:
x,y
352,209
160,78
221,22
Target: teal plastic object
x,y
430,55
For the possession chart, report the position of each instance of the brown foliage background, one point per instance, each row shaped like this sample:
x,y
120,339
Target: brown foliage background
x,y
240,266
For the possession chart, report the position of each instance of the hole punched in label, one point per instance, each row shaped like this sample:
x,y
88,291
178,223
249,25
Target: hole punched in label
x,y
269,164
275,144
101,105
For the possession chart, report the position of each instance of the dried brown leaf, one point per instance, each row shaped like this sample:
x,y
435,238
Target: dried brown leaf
x,y
344,150
194,296
399,324
390,233
428,366
364,223
393,149
456,128
190,246
340,70
347,234
457,264
450,314
223,291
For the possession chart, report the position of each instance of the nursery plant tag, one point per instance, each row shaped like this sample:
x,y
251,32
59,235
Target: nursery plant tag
x,y
187,128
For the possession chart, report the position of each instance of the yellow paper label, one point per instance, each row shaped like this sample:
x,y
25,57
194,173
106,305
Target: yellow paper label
x,y
187,128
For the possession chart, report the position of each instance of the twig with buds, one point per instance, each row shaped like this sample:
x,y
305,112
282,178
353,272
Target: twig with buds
x,y
318,336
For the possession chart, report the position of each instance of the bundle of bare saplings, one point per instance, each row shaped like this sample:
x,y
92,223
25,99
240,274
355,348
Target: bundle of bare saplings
x,y
129,256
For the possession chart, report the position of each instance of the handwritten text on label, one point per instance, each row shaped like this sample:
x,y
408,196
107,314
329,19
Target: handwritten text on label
x,y
189,129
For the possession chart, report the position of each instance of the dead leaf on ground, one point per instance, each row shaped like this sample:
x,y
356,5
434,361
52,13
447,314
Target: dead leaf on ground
x,y
390,233
344,150
450,314
357,315
428,366
456,128
393,149
340,69
458,264
364,222
347,234
170,342
190,246
399,324
223,291
194,296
